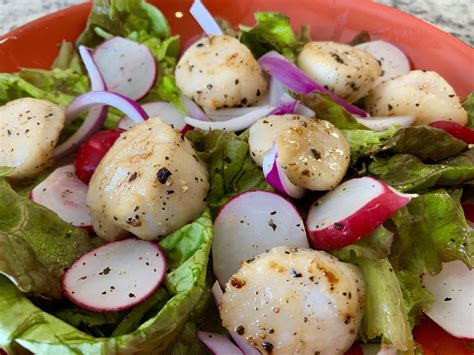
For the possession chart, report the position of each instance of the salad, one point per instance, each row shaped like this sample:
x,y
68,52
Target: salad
x,y
257,191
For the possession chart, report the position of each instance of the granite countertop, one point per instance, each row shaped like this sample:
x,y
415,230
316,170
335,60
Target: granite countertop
x,y
454,16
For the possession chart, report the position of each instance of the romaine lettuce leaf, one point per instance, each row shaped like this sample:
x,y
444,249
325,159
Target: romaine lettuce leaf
x,y
231,170
272,32
385,312
36,245
407,173
468,105
22,324
364,142
431,229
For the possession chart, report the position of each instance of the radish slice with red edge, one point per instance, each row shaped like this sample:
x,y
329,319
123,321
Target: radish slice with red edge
x,y
205,19
392,60
276,177
63,193
217,294
352,211
92,151
218,344
96,115
235,124
380,124
115,276
469,212
457,130
296,80
166,111
453,291
127,67
251,223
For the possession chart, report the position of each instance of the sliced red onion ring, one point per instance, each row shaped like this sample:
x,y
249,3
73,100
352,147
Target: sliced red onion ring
x,y
276,177
96,116
205,19
297,81
219,344
235,124
286,105
380,124
193,109
239,340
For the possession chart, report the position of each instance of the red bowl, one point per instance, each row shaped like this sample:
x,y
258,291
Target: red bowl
x,y
36,44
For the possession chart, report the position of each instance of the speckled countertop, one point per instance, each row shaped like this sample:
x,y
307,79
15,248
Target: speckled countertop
x,y
454,16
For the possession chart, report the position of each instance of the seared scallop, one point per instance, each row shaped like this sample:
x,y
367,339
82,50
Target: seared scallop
x,y
424,94
313,153
29,131
347,71
150,183
219,72
295,301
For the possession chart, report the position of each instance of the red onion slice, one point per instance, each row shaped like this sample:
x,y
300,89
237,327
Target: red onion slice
x,y
296,80
96,116
205,19
286,105
193,109
164,110
219,344
380,124
236,124
276,177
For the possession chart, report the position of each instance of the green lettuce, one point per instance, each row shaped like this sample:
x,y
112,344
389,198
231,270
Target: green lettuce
x,y
385,312
272,32
24,325
431,229
36,245
326,109
231,170
468,105
407,173
416,140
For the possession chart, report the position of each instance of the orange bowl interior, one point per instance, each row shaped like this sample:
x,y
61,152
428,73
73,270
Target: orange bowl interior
x,y
36,44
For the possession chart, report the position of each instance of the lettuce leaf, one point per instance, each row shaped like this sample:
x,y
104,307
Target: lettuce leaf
x,y
385,313
272,32
120,18
364,142
326,109
407,173
23,324
36,245
468,105
431,229
231,170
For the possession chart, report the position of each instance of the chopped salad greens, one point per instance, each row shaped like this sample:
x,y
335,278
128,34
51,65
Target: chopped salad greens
x,y
170,187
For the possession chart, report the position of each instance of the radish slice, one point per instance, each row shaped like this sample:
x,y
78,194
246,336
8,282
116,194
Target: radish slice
x,y
380,124
392,60
166,111
88,100
276,176
62,192
453,290
235,124
250,224
128,67
115,276
96,116
238,339
296,80
352,211
219,344
205,19
457,130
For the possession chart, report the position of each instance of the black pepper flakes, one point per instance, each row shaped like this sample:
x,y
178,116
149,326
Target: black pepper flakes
x,y
162,175
267,346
